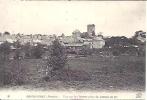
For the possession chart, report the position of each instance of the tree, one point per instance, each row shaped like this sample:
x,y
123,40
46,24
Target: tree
x,y
6,33
4,59
57,58
134,40
18,72
5,50
62,35
37,51
85,51
17,45
117,41
139,39
27,50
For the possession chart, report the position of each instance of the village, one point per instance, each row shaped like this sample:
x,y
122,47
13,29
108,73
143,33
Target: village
x,y
74,43
77,39
88,60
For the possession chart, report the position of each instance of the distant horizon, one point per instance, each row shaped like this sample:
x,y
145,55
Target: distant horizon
x,y
71,34
121,18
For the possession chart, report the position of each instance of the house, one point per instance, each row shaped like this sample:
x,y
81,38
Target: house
x,y
98,42
141,36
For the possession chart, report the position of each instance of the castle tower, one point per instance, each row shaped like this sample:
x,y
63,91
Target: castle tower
x,y
91,29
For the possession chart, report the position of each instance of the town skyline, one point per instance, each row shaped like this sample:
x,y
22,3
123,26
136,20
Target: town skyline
x,y
71,33
111,18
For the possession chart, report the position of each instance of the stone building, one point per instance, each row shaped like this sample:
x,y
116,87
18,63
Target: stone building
x,y
75,40
91,29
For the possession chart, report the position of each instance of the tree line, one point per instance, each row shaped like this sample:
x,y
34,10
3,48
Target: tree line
x,y
11,70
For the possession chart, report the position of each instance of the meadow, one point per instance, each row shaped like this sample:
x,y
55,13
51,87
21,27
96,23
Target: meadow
x,y
97,73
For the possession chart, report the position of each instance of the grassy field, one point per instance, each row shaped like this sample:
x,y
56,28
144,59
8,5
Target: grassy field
x,y
106,73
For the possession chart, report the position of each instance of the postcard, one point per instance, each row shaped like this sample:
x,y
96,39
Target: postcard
x,y
72,50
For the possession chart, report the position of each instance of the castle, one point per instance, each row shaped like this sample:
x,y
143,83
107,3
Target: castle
x,y
76,40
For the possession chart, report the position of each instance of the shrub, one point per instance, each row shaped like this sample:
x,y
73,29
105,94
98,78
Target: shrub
x,y
4,72
18,72
37,51
116,53
27,50
57,58
11,72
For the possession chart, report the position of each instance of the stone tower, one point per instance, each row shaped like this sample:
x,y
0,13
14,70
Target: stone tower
x,y
91,29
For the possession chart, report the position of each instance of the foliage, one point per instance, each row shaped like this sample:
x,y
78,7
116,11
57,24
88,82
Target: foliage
x,y
57,58
6,33
134,39
17,52
11,71
85,51
27,50
140,32
5,50
4,53
116,53
37,51
117,41
17,71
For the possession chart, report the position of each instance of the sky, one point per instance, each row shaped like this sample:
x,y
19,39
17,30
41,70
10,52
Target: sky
x,y
112,18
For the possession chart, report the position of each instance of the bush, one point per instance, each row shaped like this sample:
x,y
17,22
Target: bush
x,y
85,51
18,73
5,75
4,72
116,53
27,50
11,72
37,51
57,58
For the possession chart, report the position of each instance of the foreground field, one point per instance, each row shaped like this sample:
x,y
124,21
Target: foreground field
x,y
106,73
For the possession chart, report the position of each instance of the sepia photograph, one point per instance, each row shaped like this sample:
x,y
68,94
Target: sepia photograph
x,y
88,50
